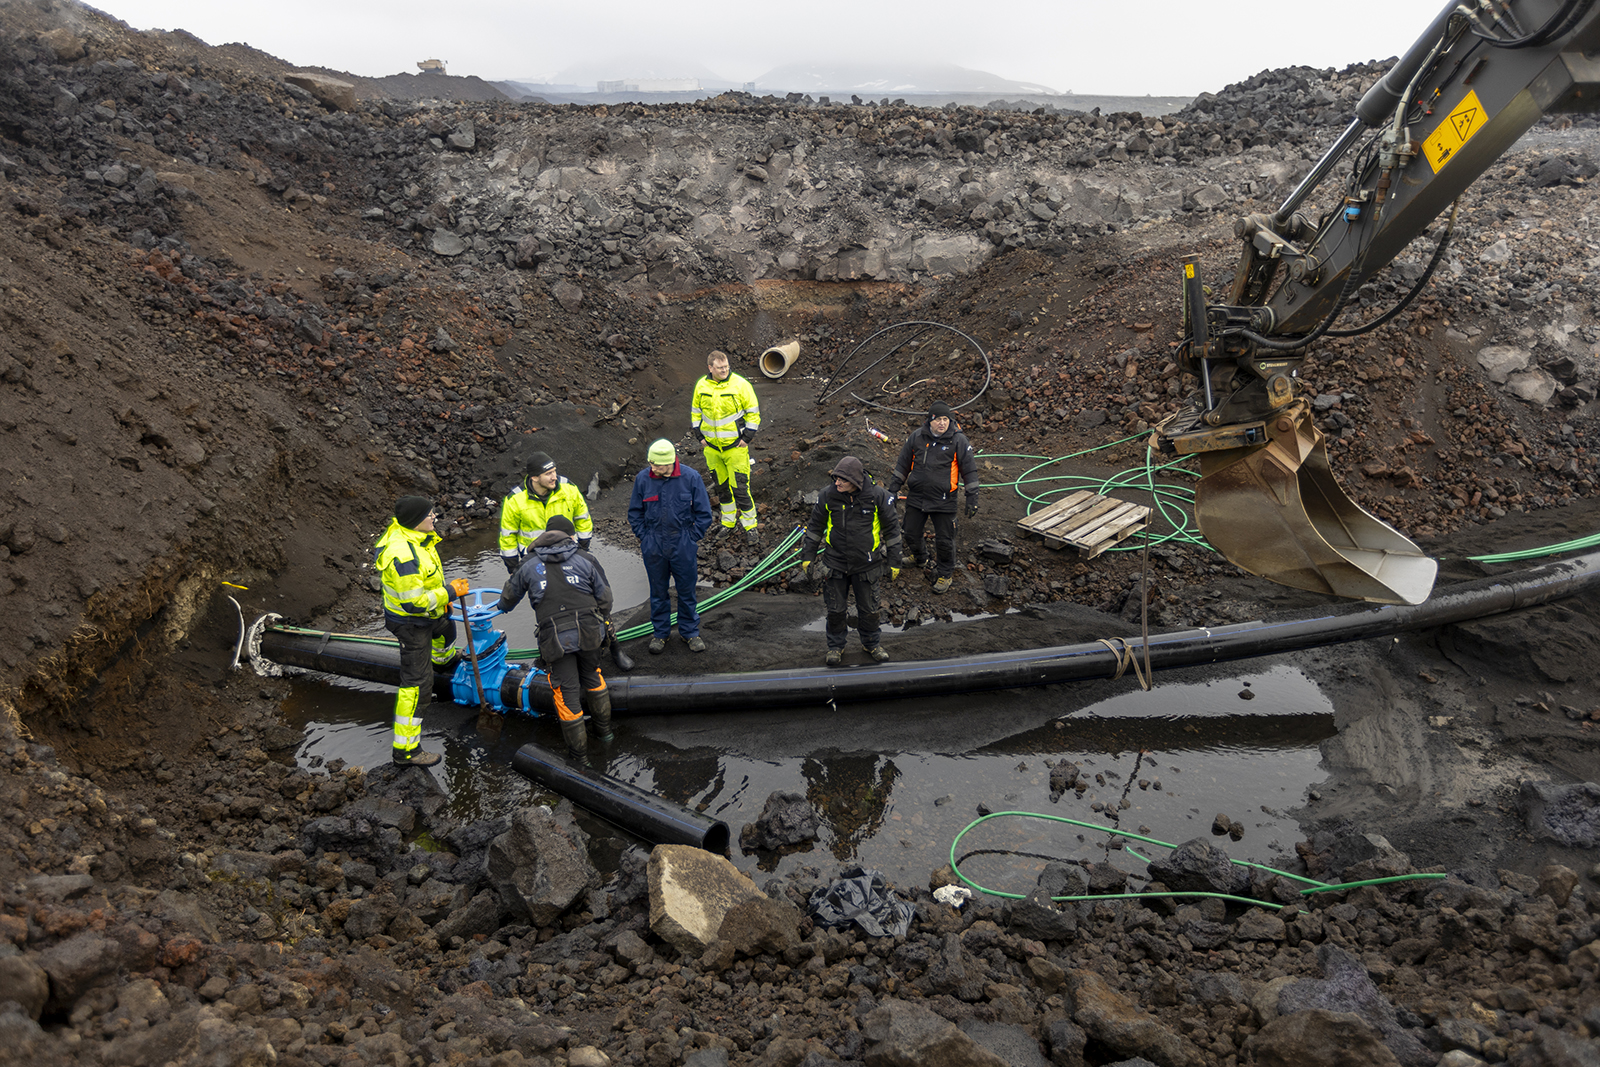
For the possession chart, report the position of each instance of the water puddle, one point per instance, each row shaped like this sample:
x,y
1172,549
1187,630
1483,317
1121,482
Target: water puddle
x,y
895,782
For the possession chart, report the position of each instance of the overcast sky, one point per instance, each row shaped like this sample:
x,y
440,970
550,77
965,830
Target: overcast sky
x,y
1130,47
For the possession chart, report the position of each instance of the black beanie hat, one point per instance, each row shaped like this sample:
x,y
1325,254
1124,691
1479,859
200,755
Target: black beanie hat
x,y
409,511
939,408
538,463
561,523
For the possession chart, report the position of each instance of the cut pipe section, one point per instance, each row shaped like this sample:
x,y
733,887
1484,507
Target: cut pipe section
x,y
776,361
644,814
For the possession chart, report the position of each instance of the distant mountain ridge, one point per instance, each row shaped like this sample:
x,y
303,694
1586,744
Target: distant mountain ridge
x,y
877,80
812,77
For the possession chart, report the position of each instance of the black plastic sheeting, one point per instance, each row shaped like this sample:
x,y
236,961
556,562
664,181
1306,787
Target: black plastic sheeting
x,y
811,686
860,896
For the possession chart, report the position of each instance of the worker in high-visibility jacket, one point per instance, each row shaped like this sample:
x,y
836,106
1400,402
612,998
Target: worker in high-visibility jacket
x,y
416,609
724,416
526,511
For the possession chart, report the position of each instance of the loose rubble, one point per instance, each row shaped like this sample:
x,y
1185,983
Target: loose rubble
x,y
245,307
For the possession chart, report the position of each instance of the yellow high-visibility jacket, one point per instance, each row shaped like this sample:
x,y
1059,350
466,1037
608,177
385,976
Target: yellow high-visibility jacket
x,y
413,578
523,516
723,411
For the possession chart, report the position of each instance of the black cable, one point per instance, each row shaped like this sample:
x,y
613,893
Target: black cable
x,y
1433,264
1556,25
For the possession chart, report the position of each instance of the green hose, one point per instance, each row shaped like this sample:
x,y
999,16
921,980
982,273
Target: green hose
x,y
1170,499
1313,886
775,562
1536,553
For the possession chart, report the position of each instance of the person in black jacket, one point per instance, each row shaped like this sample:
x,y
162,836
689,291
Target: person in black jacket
x,y
856,530
572,601
931,462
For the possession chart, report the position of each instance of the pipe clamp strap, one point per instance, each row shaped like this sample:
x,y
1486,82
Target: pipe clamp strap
x,y
327,635
1124,651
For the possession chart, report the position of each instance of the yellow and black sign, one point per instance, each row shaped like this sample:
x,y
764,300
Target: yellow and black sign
x,y
1464,120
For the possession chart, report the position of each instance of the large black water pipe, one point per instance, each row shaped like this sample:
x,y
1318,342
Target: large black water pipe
x,y
645,694
661,822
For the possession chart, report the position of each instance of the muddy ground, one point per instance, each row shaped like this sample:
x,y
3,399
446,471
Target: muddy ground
x,y
214,390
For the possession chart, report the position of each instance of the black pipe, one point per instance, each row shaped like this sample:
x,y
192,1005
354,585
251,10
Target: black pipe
x,y
645,694
641,813
1047,666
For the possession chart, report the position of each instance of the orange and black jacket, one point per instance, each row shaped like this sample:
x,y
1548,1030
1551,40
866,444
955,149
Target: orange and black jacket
x,y
930,467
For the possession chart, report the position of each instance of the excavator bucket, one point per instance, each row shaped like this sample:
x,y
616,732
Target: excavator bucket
x,y
1276,510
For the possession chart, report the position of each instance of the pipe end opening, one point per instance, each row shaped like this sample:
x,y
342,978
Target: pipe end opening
x,y
716,839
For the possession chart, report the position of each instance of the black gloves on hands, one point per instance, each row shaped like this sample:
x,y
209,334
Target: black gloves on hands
x,y
972,506
512,563
583,543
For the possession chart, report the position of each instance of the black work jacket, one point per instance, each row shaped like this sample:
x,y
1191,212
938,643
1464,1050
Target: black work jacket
x,y
931,464
853,532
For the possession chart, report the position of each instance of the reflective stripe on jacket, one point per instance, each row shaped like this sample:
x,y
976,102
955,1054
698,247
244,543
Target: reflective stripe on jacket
x,y
523,516
853,532
930,465
408,564
724,410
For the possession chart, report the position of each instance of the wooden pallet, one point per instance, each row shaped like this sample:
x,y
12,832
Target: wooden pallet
x,y
1087,522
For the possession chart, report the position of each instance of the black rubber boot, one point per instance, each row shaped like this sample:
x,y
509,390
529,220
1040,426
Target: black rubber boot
x,y
600,714
623,661
577,739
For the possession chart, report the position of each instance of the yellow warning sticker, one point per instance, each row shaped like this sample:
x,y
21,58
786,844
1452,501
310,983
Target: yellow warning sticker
x,y
1188,270
1456,130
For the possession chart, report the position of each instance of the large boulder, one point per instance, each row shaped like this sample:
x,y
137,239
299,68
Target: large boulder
x,y
1569,814
786,819
331,93
1500,362
540,866
1198,866
691,893
78,964
1319,1038
902,1034
1107,1017
1346,988
23,983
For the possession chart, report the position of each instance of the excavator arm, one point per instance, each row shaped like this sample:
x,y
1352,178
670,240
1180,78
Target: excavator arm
x,y
1482,73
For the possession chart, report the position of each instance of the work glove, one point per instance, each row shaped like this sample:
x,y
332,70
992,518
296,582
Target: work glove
x,y
805,568
583,543
972,506
512,563
460,588
698,435
894,574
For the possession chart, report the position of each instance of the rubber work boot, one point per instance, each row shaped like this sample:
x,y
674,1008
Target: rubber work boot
x,y
714,534
415,757
752,538
658,645
879,654
833,658
697,643
576,737
623,661
600,715
943,584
